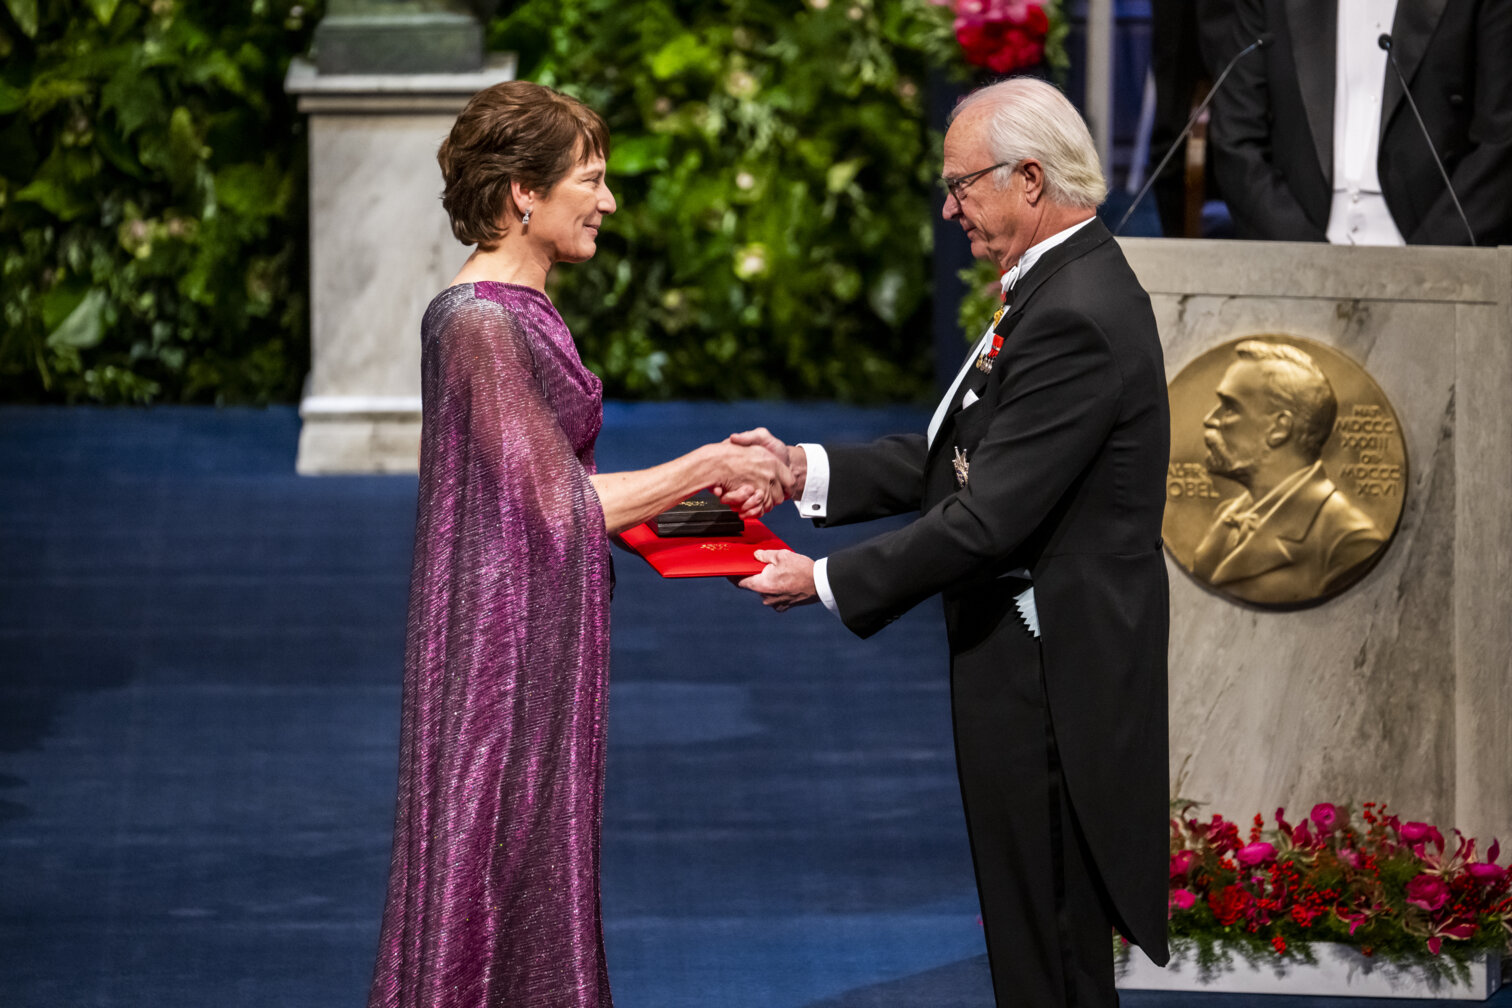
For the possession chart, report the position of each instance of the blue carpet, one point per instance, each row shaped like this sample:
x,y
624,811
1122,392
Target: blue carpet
x,y
199,666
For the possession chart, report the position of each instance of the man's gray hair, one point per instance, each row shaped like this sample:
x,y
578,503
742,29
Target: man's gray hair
x,y
1295,383
1030,119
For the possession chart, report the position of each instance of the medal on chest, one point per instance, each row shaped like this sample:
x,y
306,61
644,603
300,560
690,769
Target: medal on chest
x,y
962,467
988,355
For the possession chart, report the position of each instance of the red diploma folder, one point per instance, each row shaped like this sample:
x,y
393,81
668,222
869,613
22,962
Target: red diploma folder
x,y
689,556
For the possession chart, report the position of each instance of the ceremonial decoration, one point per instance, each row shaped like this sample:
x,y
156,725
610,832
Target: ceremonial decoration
x,y
989,354
1397,891
1288,471
1009,36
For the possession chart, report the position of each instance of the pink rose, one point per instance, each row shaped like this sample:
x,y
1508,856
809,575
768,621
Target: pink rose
x,y
1427,891
1486,874
1417,833
1181,863
1183,899
1002,35
1256,853
1325,816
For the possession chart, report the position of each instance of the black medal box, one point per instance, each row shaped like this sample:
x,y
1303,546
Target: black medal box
x,y
703,515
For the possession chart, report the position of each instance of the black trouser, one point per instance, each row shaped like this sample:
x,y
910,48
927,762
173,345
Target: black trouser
x,y
1047,917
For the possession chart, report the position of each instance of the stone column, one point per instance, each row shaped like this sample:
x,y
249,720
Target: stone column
x,y
382,89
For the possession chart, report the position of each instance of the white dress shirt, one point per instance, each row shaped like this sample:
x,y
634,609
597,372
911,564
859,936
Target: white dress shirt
x,y
1359,215
814,501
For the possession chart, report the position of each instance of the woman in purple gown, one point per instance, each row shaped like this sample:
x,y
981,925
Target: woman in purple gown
x,y
493,896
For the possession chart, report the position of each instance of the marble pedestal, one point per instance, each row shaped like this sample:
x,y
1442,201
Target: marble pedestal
x,y
1400,689
380,249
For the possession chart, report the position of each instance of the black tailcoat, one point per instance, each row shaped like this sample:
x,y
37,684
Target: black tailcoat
x,y
1067,449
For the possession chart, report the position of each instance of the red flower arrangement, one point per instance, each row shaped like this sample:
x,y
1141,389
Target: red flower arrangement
x,y
1388,888
1002,35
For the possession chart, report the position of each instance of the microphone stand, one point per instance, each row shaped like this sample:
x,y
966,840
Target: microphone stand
x,y
1385,43
1186,131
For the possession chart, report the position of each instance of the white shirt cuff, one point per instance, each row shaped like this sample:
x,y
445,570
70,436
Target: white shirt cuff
x,y
822,585
815,500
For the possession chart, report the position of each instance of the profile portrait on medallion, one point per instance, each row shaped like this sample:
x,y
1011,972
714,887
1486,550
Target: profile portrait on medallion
x,y
1287,471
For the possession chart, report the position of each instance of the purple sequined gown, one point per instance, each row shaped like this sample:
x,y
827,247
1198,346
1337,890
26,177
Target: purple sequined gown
x,y
493,898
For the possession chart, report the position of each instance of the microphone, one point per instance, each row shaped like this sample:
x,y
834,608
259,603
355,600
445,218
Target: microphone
x,y
1260,43
1385,43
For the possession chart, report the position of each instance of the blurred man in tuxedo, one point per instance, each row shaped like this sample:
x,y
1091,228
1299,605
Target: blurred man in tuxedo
x,y
1313,139
1040,487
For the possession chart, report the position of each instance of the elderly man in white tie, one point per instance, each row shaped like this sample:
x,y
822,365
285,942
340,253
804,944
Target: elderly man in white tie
x,y
1040,488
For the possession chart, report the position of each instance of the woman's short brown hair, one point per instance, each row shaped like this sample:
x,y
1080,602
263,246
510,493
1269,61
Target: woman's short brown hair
x,y
512,132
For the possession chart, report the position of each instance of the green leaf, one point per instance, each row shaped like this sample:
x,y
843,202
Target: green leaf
x,y
25,14
118,152
218,67
47,91
682,54
184,150
639,154
11,98
85,325
104,10
60,302
842,173
248,189
56,196
134,96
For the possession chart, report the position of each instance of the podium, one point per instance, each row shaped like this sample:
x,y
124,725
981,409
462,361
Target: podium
x,y
1398,690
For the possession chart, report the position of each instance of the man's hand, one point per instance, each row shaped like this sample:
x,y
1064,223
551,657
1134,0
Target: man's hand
x,y
787,580
795,458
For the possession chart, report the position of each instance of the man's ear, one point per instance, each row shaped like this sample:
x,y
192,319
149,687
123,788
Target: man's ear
x,y
1034,180
1281,428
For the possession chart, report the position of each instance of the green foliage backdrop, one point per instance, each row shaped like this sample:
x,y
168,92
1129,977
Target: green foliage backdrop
x,y
774,172
771,159
151,201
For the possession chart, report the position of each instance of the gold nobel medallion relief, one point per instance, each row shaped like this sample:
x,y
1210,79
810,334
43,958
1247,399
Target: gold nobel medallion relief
x,y
1288,471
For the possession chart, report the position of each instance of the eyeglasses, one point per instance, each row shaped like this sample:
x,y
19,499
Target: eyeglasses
x,y
957,186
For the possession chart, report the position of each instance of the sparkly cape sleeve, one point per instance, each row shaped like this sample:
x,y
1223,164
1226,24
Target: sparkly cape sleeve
x,y
494,387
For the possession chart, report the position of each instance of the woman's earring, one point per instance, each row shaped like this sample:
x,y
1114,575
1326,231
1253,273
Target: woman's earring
x,y
526,218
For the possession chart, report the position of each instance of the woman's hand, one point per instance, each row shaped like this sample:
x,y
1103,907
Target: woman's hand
x,y
752,479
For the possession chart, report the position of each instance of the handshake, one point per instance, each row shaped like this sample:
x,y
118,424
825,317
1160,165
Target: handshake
x,y
757,472
761,472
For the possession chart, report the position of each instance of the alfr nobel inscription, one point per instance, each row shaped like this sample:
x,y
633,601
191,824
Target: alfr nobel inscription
x,y
1287,474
